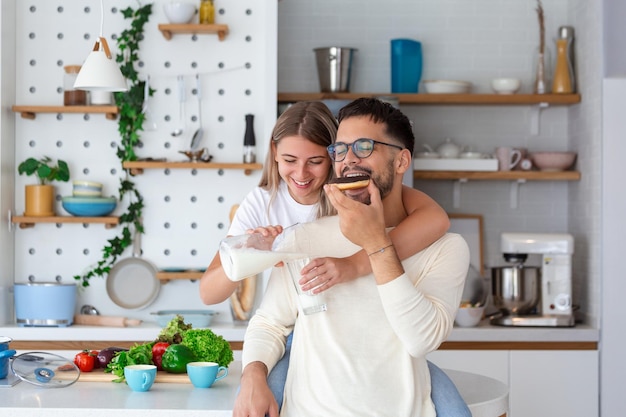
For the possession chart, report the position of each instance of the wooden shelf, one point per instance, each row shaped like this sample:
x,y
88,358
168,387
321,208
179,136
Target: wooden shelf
x,y
30,221
29,112
446,99
168,30
137,167
498,175
189,275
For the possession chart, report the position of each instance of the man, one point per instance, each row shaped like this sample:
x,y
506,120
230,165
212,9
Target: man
x,y
365,356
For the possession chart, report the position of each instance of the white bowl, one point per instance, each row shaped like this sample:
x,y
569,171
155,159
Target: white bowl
x,y
427,155
178,12
197,318
553,161
447,86
469,316
506,85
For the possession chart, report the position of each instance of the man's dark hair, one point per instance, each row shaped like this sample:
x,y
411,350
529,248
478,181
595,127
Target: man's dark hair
x,y
397,125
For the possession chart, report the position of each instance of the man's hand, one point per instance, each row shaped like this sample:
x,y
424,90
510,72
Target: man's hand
x,y
255,399
362,224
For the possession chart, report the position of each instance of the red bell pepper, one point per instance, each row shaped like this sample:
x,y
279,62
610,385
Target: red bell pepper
x,y
157,354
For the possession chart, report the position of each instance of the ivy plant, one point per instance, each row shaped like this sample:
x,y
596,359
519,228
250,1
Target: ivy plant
x,y
131,119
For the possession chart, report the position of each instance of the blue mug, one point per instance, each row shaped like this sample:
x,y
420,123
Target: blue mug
x,y
406,65
140,377
204,374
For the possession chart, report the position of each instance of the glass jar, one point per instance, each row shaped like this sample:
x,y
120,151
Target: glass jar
x,y
207,12
72,96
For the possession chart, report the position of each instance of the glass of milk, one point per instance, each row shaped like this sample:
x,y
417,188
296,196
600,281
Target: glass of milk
x,y
309,302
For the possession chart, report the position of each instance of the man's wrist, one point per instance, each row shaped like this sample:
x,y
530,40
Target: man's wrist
x,y
379,246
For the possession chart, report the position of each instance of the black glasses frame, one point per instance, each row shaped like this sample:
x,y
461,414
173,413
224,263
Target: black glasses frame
x,y
360,153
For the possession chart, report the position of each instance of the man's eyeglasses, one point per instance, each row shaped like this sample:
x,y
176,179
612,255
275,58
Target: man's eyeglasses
x,y
362,148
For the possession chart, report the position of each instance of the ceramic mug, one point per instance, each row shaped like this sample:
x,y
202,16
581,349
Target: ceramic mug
x,y
204,374
508,158
140,377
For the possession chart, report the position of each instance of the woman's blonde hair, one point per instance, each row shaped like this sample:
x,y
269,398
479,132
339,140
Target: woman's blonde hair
x,y
311,120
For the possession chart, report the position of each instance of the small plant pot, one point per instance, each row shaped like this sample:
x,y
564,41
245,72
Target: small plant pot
x,y
39,200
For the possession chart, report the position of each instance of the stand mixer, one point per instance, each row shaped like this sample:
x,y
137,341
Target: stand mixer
x,y
531,296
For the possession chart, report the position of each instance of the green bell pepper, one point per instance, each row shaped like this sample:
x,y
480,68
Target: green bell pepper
x,y
176,357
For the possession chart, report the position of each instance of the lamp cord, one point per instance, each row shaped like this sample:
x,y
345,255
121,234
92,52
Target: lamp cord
x,y
101,17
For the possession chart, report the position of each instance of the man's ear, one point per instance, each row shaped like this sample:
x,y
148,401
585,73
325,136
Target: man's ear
x,y
404,161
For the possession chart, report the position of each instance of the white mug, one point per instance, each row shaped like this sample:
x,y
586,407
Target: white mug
x,y
508,158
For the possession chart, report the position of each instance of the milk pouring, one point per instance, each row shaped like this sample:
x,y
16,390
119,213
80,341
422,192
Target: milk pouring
x,y
247,255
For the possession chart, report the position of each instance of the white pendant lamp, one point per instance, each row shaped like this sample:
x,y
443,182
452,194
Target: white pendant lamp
x,y
100,72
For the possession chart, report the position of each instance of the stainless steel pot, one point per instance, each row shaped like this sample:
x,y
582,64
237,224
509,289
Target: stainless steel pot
x,y
515,289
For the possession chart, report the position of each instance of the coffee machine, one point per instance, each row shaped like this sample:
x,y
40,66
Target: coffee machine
x,y
531,296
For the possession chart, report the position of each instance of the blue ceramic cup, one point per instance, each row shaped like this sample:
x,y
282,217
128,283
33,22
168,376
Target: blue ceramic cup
x,y
406,65
204,374
140,377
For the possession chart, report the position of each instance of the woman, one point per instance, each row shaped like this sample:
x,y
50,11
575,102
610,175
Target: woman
x,y
291,191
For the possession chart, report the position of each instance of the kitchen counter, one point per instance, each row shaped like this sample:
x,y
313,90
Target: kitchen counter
x,y
485,397
26,337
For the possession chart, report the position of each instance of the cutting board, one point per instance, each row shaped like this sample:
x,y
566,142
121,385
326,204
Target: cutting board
x,y
99,375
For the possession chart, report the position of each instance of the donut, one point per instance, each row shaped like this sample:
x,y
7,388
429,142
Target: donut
x,y
350,183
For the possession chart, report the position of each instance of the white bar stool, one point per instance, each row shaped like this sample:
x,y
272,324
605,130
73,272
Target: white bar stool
x,y
485,397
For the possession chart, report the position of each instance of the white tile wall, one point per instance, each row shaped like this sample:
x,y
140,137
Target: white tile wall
x,y
475,40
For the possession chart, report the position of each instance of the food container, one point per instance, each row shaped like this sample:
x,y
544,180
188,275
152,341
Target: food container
x,y
72,96
45,304
197,318
469,316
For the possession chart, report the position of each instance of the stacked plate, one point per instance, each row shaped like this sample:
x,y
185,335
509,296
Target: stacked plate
x,y
87,200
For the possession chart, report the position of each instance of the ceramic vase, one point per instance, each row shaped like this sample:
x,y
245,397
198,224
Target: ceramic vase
x,y
543,71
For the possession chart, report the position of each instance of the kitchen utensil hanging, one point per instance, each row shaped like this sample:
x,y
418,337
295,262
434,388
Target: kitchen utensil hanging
x,y
132,283
181,107
197,137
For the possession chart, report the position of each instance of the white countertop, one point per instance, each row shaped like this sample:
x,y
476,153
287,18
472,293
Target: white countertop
x,y
484,332
485,397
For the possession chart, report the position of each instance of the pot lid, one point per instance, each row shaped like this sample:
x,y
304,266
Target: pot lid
x,y
45,369
5,339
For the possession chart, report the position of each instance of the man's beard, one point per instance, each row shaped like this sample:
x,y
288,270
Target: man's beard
x,y
383,181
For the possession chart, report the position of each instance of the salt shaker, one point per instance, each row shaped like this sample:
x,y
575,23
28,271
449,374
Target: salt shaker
x,y
249,141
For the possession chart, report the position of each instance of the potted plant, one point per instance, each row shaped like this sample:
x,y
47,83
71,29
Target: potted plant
x,y
39,200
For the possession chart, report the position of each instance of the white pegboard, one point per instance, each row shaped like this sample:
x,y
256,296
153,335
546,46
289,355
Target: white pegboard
x,y
186,211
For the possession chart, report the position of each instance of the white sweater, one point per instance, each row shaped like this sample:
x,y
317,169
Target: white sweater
x,y
365,356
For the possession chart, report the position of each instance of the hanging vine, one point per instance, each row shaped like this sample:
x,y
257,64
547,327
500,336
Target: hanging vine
x,y
131,119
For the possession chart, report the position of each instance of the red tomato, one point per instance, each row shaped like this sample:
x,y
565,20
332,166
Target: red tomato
x,y
85,361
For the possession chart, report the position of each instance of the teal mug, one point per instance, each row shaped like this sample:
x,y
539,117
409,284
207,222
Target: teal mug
x,y
204,374
140,377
